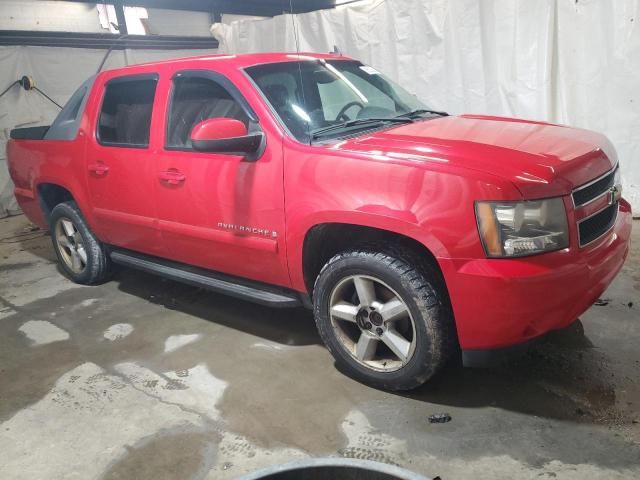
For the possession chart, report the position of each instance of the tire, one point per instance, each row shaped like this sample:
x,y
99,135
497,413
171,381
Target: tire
x,y
396,274
90,264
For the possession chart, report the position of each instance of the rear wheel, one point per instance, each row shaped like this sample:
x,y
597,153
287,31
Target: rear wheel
x,y
384,318
82,257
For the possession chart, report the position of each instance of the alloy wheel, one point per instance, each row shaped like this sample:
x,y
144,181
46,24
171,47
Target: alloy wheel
x,y
70,245
372,323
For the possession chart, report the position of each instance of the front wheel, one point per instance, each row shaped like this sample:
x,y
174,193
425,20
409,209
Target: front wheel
x,y
385,319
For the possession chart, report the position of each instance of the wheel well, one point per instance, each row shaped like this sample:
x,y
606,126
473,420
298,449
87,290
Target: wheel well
x,y
326,240
51,195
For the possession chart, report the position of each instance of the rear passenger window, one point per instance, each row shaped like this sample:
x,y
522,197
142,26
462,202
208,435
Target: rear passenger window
x,y
125,117
193,100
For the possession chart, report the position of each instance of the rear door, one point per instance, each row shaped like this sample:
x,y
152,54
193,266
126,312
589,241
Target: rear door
x,y
120,164
218,211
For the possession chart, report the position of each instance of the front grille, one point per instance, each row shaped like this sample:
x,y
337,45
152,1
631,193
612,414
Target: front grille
x,y
597,225
592,190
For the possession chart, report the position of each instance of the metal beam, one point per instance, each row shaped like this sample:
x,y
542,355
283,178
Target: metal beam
x,y
267,8
122,21
270,8
105,40
122,40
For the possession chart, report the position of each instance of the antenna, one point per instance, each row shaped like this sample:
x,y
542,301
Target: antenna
x,y
297,40
111,47
295,28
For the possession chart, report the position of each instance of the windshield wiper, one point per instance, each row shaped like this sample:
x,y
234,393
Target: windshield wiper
x,y
318,132
422,111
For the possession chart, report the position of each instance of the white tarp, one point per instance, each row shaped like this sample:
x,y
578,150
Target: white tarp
x,y
58,72
574,62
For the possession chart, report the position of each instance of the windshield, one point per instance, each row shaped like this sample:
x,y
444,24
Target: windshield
x,y
315,94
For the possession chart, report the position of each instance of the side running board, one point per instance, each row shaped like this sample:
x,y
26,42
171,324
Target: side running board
x,y
218,282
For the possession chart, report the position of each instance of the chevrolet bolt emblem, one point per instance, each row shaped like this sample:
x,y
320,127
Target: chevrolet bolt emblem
x,y
615,194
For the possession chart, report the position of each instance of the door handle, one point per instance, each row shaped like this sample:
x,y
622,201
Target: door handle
x,y
172,176
98,168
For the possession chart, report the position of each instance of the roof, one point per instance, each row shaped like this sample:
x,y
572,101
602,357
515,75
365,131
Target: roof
x,y
239,61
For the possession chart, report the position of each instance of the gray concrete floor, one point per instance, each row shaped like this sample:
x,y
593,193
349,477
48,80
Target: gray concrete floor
x,y
149,379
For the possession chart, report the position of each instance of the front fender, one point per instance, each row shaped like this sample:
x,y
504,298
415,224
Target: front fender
x,y
401,223
430,202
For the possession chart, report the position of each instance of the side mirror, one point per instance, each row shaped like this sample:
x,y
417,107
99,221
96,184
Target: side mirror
x,y
227,136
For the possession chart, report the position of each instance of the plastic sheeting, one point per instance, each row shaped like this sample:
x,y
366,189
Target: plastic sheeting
x,y
574,62
58,72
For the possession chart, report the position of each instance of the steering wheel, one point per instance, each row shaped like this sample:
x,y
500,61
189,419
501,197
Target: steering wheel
x,y
342,113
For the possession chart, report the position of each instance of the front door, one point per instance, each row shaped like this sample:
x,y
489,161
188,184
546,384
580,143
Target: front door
x,y
218,211
120,165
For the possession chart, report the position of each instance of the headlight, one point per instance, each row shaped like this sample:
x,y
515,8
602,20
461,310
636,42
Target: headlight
x,y
515,229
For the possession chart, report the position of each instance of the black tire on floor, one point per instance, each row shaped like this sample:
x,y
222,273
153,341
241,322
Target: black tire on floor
x,y
98,265
420,287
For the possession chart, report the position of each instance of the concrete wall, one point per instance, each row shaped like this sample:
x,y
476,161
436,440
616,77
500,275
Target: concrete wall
x,y
83,17
49,16
173,22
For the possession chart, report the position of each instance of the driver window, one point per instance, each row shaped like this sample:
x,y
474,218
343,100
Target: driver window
x,y
194,99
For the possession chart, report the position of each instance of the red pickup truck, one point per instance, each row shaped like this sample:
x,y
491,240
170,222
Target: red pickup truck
x,y
305,179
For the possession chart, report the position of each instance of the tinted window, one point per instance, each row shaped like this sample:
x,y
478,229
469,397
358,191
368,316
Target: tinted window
x,y
125,118
193,100
372,92
314,94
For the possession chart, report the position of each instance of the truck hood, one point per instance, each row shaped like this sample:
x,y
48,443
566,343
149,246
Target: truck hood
x,y
540,159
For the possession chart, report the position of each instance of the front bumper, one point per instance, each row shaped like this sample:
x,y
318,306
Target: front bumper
x,y
504,302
